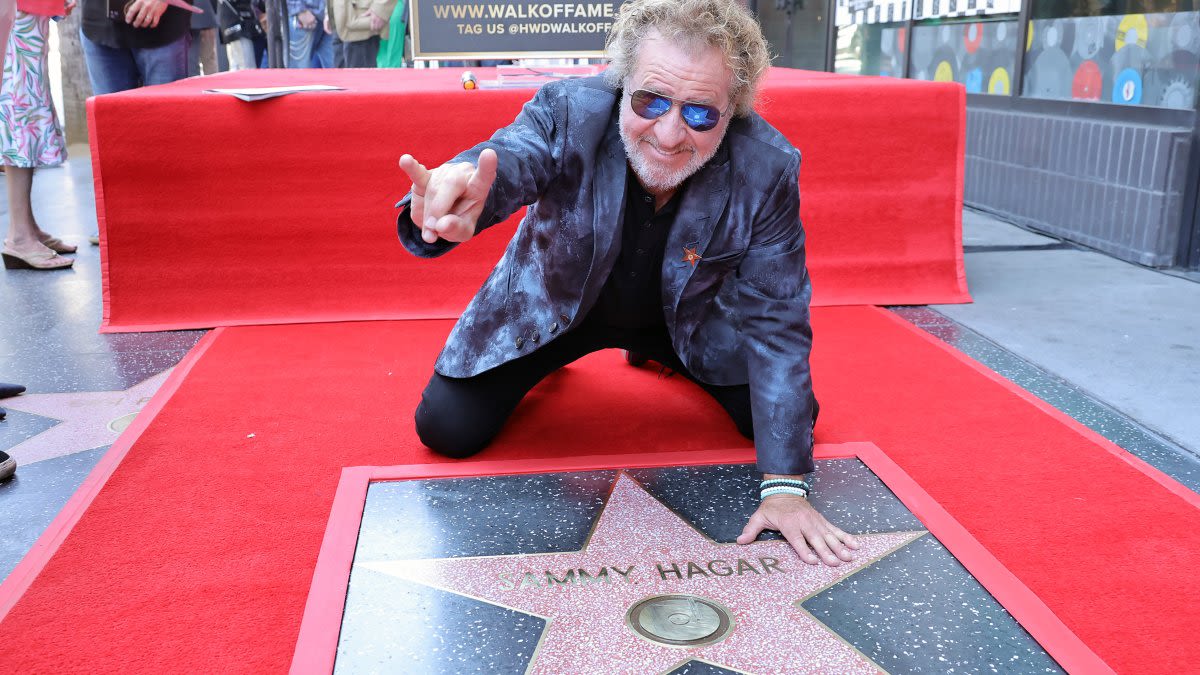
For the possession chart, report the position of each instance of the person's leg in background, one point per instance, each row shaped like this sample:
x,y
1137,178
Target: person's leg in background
x,y
222,55
27,246
203,48
260,51
160,65
203,52
300,44
322,48
339,51
242,54
362,53
109,69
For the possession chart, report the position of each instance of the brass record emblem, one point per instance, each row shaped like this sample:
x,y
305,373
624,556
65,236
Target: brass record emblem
x,y
680,620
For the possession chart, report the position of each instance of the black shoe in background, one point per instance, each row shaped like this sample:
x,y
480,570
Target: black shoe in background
x,y
8,466
7,390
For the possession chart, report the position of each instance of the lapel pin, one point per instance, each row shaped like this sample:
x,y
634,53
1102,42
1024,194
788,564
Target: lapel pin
x,y
690,255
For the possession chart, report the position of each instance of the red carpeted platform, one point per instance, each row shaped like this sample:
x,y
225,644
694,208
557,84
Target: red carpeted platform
x,y
198,553
217,212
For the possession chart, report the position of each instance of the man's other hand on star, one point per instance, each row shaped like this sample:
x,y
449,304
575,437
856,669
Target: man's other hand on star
x,y
813,537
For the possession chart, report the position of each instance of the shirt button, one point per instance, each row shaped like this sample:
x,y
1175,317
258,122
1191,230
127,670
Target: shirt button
x,y
641,251
648,199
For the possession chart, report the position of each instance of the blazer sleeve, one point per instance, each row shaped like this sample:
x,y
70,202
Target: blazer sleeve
x,y
530,152
774,292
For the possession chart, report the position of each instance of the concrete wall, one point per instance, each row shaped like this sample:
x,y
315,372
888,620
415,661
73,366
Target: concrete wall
x,y
1113,185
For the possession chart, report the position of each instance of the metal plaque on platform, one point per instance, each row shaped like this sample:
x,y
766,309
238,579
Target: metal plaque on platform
x,y
459,29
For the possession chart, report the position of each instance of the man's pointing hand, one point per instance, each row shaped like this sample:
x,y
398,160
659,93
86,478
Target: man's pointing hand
x,y
447,201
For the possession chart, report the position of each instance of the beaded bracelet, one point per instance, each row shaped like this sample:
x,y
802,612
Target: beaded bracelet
x,y
784,486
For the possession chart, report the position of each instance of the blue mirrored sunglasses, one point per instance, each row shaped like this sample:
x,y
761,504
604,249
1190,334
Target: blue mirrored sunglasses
x,y
651,106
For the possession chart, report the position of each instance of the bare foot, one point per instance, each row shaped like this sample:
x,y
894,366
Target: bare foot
x,y
55,244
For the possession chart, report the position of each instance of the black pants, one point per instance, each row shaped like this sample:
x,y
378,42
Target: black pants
x,y
357,54
458,417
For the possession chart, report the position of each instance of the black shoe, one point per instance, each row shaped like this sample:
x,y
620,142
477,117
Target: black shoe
x,y
8,466
634,359
7,390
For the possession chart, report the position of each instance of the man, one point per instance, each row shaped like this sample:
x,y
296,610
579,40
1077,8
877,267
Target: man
x,y
309,45
664,219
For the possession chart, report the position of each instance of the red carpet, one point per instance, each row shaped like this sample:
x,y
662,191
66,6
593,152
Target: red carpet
x,y
292,198
198,553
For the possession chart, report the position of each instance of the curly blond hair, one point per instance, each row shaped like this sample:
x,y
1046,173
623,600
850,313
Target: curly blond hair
x,y
723,24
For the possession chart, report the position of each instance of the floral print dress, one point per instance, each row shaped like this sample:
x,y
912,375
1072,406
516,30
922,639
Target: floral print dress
x,y
30,135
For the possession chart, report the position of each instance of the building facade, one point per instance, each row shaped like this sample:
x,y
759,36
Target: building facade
x,y
1081,114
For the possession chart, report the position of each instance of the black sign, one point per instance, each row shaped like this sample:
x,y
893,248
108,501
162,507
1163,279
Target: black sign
x,y
485,29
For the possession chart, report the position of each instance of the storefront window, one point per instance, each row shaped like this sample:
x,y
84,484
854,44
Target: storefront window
x,y
981,55
871,36
871,49
1063,9
795,30
951,9
1126,58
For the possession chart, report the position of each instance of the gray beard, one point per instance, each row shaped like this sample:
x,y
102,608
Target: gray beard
x,y
652,175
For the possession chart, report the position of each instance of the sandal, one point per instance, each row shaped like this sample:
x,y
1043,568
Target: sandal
x,y
38,260
58,245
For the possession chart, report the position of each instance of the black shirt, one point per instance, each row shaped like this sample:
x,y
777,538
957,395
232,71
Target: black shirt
x,y
119,35
630,304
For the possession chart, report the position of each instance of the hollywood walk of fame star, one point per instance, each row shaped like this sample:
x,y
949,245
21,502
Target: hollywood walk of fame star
x,y
585,597
89,419
690,255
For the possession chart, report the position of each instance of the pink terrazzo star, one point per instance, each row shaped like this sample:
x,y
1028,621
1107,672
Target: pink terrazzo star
x,y
640,549
89,419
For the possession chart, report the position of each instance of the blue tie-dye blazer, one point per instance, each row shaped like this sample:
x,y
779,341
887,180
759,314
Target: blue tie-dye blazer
x,y
738,315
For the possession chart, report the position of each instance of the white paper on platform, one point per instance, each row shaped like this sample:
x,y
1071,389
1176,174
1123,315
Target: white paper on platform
x,y
260,93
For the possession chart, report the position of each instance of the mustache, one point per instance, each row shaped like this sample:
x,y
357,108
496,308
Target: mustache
x,y
654,144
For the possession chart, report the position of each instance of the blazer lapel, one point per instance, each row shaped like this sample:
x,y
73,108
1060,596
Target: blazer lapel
x,y
608,189
706,194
